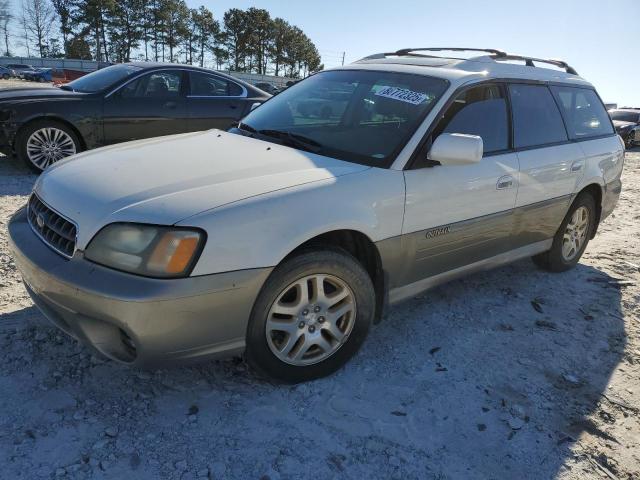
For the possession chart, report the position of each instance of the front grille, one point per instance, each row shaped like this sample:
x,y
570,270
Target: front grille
x,y
55,230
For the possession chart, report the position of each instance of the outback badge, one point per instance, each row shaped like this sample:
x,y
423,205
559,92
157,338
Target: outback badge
x,y
436,232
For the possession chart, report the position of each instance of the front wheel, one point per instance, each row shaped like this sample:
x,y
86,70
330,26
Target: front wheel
x,y
628,142
45,142
572,237
311,316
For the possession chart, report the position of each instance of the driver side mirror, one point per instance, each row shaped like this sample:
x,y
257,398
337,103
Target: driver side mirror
x,y
456,149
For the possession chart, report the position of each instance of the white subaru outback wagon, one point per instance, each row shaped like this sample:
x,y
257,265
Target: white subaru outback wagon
x,y
286,237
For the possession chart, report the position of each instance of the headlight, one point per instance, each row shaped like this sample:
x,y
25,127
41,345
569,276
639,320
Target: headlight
x,y
152,251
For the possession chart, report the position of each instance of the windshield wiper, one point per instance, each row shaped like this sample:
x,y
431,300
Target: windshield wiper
x,y
285,137
293,139
247,128
66,87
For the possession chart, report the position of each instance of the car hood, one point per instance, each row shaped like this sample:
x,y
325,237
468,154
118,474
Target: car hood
x,y
622,124
14,94
168,179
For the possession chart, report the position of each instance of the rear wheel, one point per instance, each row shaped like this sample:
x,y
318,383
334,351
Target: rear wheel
x,y
311,316
45,142
572,237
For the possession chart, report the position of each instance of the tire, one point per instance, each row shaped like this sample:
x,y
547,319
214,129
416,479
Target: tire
x,y
558,259
67,142
628,142
287,357
5,76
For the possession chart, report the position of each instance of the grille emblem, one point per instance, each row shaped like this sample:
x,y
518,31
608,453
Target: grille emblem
x,y
40,220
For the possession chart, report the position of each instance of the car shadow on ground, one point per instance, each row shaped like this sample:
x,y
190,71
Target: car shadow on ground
x,y
493,376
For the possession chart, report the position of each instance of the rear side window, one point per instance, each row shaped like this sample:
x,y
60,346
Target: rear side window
x,y
536,118
479,111
203,85
583,112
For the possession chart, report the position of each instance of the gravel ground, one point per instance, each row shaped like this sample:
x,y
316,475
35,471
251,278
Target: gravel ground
x,y
513,373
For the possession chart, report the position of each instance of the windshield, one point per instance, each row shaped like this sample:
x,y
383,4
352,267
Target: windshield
x,y
101,79
354,115
625,116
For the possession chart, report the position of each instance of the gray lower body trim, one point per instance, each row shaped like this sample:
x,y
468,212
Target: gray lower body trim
x,y
418,258
407,291
539,221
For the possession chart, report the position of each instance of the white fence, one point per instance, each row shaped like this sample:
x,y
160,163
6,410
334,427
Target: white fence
x,y
82,65
90,66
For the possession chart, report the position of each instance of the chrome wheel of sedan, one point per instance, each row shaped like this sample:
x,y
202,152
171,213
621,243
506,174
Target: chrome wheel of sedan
x,y
311,319
48,145
576,233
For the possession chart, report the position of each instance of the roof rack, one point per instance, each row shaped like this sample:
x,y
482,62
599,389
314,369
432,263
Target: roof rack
x,y
529,62
495,54
407,51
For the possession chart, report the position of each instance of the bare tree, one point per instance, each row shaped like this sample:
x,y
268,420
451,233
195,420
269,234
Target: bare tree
x,y
23,23
6,18
38,16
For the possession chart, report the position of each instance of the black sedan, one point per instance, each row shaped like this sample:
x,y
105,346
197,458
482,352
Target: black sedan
x,y
117,104
627,124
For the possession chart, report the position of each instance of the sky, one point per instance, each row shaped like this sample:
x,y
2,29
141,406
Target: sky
x,y
599,38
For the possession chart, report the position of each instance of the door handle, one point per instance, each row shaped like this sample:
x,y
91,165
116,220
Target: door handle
x,y
504,182
171,105
577,166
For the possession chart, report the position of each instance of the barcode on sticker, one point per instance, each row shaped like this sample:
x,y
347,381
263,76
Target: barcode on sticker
x,y
402,94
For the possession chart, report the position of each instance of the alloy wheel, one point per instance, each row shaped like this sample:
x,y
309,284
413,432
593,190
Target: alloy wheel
x,y
575,234
47,145
310,319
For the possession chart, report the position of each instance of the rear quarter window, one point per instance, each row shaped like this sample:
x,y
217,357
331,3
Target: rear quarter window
x,y
536,118
583,112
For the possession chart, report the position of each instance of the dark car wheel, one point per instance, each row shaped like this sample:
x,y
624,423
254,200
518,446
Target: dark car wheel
x,y
628,141
572,237
5,76
45,142
311,316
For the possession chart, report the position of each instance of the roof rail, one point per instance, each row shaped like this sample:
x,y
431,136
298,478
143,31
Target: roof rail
x,y
497,55
407,51
529,62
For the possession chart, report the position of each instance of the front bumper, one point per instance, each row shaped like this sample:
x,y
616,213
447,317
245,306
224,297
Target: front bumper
x,y
136,320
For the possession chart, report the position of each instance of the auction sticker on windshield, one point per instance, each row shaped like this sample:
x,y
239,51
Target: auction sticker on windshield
x,y
402,94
